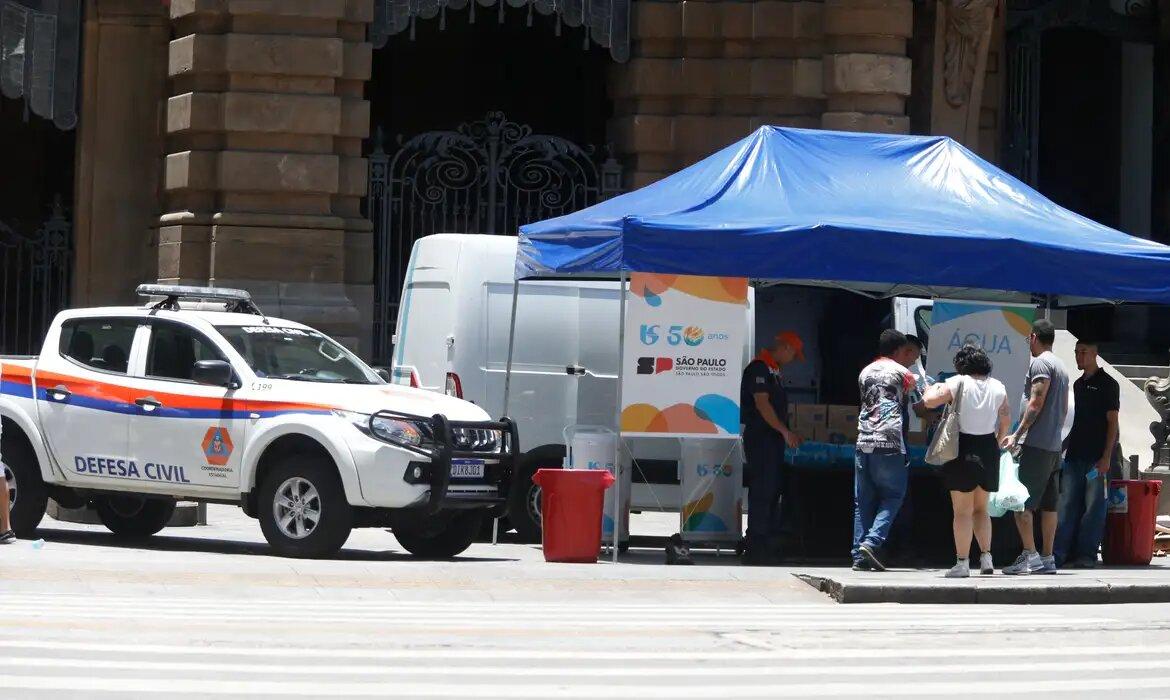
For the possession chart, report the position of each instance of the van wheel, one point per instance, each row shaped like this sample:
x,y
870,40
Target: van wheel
x,y
439,536
524,505
302,508
129,515
27,494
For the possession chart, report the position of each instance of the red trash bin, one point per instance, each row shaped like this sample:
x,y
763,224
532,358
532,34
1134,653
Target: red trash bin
x,y
1129,524
570,508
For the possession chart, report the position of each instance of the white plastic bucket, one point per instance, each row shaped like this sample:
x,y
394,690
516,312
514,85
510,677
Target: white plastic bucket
x,y
712,491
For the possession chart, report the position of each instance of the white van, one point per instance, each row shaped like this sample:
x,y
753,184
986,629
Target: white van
x,y
452,337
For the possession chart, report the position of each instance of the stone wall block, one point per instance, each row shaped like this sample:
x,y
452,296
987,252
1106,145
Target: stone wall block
x,y
359,11
247,171
701,20
317,9
866,74
184,251
353,177
869,18
190,170
281,114
733,77
283,55
735,21
779,19
196,53
646,77
656,20
194,112
358,61
642,133
857,121
699,76
284,254
355,118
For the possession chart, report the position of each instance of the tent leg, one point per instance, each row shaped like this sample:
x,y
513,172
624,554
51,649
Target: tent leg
x,y
617,460
511,343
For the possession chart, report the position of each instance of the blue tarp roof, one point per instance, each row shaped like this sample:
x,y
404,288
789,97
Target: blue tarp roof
x,y
875,213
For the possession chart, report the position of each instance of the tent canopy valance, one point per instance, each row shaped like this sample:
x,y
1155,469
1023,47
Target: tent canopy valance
x,y
879,214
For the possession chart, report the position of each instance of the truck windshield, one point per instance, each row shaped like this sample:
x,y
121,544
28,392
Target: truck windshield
x,y
275,352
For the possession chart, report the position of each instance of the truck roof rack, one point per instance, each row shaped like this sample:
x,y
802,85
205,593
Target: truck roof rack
x,y
235,300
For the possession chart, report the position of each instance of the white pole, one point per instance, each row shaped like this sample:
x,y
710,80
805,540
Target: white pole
x,y
511,342
617,460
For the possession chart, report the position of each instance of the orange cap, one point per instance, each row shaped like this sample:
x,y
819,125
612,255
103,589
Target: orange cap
x,y
793,341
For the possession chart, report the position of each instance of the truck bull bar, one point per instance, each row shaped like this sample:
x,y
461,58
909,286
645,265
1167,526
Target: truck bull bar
x,y
444,447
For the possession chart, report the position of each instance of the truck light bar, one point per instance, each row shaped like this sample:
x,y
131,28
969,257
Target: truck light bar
x,y
236,300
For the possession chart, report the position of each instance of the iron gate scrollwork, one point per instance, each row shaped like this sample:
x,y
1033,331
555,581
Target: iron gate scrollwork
x,y
489,176
34,280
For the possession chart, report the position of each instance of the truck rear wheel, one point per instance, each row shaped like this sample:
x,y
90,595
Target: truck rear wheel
x,y
27,494
130,515
439,536
302,508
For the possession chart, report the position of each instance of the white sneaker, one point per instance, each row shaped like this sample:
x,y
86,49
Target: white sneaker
x,y
1047,565
1026,563
959,570
986,567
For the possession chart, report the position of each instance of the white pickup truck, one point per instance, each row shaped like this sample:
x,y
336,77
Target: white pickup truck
x,y
133,408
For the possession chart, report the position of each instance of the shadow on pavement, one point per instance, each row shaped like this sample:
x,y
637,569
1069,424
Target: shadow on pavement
x,y
171,543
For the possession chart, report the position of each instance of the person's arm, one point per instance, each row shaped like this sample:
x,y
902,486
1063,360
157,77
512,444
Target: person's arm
x,y
1004,423
764,406
1038,394
936,395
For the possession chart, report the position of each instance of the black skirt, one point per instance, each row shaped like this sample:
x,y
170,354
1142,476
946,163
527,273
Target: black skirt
x,y
976,466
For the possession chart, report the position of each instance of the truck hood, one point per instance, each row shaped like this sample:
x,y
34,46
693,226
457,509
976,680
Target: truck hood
x,y
390,397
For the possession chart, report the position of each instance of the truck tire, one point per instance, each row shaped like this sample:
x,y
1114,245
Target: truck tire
x,y
134,516
27,493
524,503
439,536
302,507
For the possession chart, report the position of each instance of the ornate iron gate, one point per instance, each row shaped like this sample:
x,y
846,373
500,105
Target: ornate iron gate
x,y
35,278
488,176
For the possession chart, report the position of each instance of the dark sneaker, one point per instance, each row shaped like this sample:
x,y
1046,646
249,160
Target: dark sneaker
x,y
677,551
869,554
7,537
862,565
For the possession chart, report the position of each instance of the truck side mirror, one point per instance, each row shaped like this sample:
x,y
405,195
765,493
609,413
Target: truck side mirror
x,y
383,373
212,373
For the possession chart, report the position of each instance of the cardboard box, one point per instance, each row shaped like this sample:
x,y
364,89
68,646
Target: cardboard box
x,y
847,436
819,433
809,417
842,418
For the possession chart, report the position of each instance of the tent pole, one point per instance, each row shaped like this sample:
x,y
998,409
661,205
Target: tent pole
x,y
617,460
511,342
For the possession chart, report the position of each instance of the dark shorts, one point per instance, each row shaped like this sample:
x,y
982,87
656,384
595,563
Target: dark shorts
x,y
977,465
1040,473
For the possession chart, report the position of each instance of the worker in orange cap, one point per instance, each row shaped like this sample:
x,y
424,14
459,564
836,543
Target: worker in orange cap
x,y
764,412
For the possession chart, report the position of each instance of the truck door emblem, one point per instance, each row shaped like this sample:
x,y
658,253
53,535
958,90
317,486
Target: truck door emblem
x,y
217,446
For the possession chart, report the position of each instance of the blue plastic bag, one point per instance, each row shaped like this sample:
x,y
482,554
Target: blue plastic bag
x,y
1012,494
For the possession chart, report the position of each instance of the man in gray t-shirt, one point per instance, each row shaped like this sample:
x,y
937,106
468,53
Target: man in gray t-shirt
x,y
1038,438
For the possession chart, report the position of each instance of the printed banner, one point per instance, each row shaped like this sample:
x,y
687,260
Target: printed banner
x,y
683,356
1002,331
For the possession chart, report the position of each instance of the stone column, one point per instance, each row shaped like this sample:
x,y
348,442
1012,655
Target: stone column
x,y
119,149
866,69
264,172
704,74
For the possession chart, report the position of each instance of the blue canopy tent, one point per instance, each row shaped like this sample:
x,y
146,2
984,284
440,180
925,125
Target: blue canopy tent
x,y
878,215
884,215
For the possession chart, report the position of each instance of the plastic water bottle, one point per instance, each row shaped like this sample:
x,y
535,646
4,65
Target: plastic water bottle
x,y
38,544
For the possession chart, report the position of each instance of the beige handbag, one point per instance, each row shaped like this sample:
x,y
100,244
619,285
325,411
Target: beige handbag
x,y
944,447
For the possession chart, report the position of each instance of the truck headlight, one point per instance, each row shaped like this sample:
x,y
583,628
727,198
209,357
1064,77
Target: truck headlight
x,y
396,431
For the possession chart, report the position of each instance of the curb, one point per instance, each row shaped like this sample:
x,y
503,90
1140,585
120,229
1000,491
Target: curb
x,y
1096,593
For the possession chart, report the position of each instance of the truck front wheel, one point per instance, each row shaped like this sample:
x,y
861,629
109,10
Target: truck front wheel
x,y
439,536
302,508
134,516
27,494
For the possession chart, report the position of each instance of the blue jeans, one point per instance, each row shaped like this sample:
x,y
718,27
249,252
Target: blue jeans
x,y
1081,516
879,486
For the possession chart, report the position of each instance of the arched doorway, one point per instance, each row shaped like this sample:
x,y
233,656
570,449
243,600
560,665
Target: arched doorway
x,y
480,127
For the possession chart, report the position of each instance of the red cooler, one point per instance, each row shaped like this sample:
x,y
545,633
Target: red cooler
x,y
1129,524
571,501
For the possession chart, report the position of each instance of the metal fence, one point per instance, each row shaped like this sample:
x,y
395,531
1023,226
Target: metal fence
x,y
489,176
35,279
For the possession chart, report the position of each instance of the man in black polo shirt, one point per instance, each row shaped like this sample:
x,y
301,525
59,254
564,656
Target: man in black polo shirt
x,y
1084,477
764,408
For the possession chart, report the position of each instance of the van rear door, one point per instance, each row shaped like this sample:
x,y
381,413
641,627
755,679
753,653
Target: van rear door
x,y
426,315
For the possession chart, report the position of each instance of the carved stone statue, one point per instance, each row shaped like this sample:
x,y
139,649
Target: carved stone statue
x,y
968,28
1158,394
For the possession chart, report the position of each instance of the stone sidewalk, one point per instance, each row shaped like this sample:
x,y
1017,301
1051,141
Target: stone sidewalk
x,y
1150,584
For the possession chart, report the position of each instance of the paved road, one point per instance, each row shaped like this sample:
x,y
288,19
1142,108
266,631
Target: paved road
x,y
207,612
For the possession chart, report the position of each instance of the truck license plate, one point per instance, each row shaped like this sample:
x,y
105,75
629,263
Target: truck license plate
x,y
467,468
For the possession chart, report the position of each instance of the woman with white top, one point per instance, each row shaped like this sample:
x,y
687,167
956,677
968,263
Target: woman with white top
x,y
984,419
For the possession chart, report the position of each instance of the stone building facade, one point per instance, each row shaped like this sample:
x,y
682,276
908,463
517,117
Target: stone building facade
x,y
227,141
